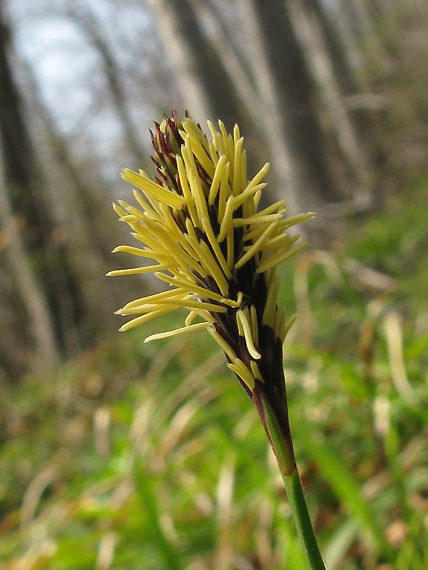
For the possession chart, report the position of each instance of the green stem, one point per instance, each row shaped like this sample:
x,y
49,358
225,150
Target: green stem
x,y
299,510
274,415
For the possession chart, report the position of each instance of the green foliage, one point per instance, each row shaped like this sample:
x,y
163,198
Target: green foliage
x,y
151,457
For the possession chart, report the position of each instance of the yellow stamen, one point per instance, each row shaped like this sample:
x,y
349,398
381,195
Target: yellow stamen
x,y
275,207
237,167
287,328
189,286
256,219
279,258
119,211
241,198
189,201
136,251
166,239
259,176
230,248
236,134
232,303
201,201
255,370
214,244
213,153
191,127
243,317
138,214
146,207
268,317
224,192
244,168
209,261
215,184
176,332
214,135
257,246
293,220
190,318
280,320
226,146
199,150
221,342
170,198
254,324
146,318
153,299
239,368
191,303
227,223
282,240
138,270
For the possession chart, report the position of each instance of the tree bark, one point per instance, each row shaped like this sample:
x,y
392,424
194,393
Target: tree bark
x,y
306,21
204,83
58,264
272,121
18,195
92,30
183,60
296,93
29,289
87,309
223,88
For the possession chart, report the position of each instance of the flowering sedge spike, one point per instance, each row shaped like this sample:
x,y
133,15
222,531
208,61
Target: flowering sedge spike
x,y
201,227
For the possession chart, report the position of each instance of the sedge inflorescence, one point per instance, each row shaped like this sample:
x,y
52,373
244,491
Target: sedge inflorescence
x,y
199,222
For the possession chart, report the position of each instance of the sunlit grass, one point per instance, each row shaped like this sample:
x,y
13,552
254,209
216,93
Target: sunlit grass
x,y
152,457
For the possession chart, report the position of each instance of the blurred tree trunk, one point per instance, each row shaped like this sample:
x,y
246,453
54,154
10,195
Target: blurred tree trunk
x,y
204,83
91,29
57,257
257,93
360,20
347,39
90,208
291,66
84,226
26,283
214,83
325,66
344,74
183,61
18,196
296,94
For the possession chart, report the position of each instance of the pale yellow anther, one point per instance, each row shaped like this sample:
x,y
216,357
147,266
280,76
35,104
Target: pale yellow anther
x,y
279,257
170,198
244,325
187,329
255,370
215,184
239,368
200,235
222,343
237,167
268,317
232,303
227,222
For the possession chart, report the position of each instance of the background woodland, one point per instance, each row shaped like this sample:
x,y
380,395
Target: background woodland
x,y
115,454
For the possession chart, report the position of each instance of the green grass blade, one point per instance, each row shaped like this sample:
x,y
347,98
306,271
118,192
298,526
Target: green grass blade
x,y
345,487
148,498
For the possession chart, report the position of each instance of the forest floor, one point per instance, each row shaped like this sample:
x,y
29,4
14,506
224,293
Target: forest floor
x,y
151,457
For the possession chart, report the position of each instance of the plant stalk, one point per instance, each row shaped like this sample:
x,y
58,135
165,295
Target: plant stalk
x,y
274,415
296,499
